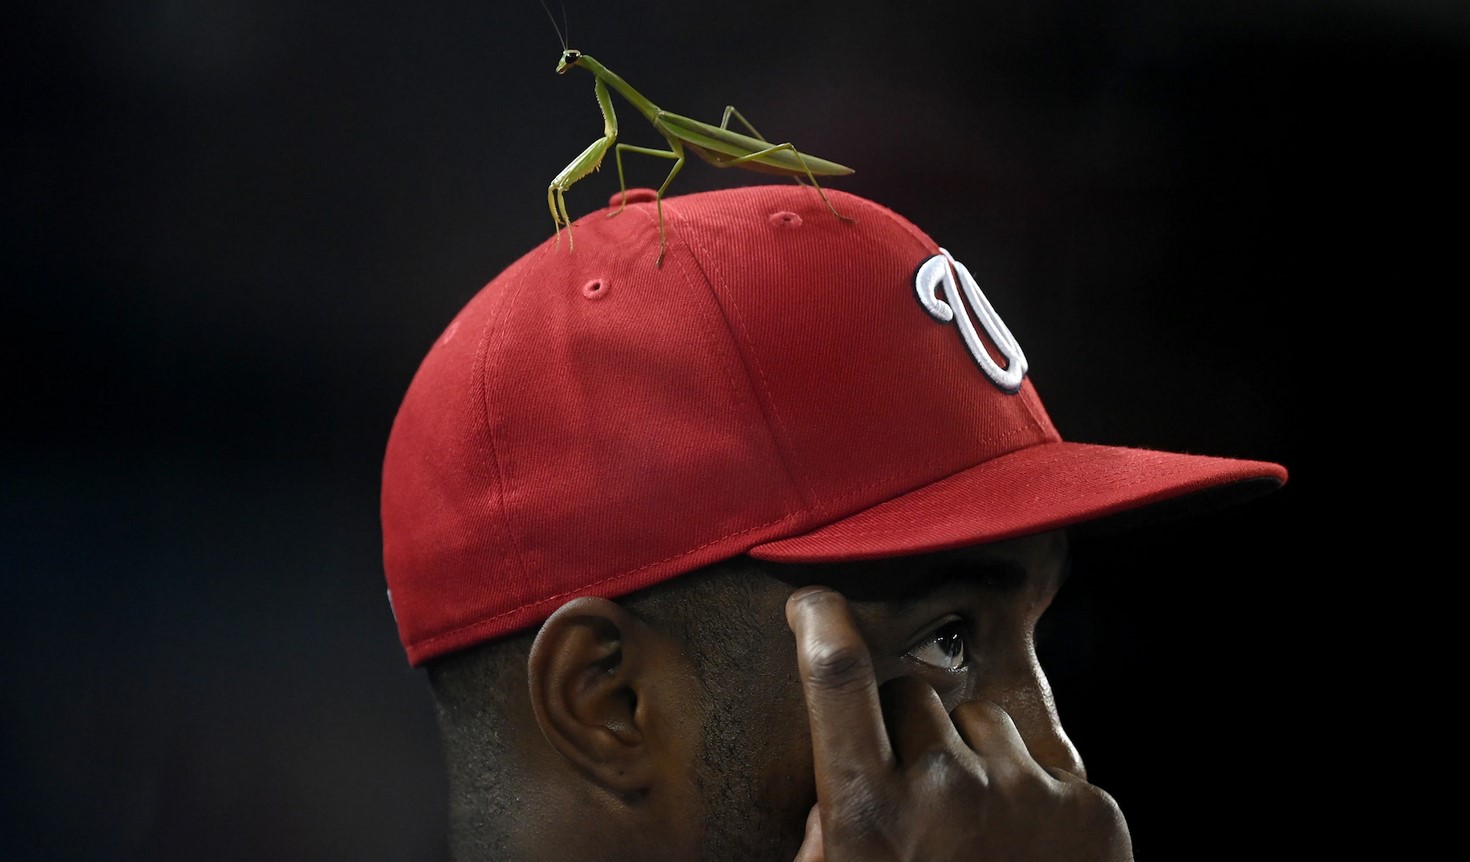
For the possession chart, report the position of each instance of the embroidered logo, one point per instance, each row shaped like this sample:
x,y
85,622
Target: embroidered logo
x,y
943,270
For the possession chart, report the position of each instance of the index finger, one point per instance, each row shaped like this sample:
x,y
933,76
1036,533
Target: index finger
x,y
849,740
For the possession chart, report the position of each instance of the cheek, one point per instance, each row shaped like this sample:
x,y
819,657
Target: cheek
x,y
785,760
789,780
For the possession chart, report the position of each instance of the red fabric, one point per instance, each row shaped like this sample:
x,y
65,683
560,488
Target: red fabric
x,y
592,424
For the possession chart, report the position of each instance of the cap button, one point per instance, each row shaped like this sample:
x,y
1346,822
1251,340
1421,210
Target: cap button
x,y
635,196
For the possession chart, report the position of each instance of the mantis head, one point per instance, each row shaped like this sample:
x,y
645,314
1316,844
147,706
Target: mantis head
x,y
569,58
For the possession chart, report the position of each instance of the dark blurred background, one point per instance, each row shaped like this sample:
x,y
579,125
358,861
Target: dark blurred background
x,y
231,229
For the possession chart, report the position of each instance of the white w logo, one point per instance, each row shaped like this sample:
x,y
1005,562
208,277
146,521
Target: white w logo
x,y
941,269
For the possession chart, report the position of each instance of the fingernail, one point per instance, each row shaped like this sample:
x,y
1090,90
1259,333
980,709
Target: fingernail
x,y
808,591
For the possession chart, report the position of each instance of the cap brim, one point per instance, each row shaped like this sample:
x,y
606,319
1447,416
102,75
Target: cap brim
x,y
1038,488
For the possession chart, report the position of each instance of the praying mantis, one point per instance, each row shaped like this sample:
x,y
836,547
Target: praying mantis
x,y
717,145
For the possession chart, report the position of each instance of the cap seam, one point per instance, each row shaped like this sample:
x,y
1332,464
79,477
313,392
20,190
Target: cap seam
x,y
495,330
764,401
711,333
1031,402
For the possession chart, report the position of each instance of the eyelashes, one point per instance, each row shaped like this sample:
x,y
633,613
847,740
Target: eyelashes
x,y
946,648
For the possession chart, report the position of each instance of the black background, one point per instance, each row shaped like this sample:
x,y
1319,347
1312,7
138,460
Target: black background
x,y
233,228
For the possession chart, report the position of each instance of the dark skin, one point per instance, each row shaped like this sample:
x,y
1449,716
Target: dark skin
x,y
905,717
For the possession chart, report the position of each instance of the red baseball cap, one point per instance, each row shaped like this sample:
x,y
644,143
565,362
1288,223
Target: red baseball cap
x,y
788,384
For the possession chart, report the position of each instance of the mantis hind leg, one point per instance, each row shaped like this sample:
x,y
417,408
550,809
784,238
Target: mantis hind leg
x,y
795,152
731,110
725,121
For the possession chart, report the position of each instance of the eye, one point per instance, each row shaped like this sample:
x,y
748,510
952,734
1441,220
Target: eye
x,y
944,648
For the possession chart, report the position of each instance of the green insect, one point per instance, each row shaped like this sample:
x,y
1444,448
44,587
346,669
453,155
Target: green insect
x,y
715,144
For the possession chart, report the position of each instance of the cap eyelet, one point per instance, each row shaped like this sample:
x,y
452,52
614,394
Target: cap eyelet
x,y
785,219
595,289
633,196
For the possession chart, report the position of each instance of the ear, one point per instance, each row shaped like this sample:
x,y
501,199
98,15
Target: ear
x,y
586,668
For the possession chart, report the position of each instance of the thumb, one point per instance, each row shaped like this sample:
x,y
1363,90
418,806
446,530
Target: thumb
x,y
811,840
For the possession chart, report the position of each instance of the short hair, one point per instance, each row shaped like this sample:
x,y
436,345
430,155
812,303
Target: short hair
x,y
712,611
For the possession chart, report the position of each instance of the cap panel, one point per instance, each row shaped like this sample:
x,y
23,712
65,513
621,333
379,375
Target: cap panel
x,y
441,507
599,435
868,395
625,427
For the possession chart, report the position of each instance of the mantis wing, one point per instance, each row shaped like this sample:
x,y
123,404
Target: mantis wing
x,y
722,147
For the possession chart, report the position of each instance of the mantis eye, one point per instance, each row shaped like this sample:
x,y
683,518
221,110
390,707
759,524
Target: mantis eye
x,y
571,56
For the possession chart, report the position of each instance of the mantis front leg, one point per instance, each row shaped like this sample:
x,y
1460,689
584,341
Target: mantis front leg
x,y
584,164
581,166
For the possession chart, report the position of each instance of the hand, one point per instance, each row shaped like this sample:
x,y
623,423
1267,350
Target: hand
x,y
897,779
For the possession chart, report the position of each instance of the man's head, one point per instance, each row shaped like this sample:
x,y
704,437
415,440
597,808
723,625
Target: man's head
x,y
608,478
674,720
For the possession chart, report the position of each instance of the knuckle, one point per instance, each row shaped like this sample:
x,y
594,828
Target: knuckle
x,y
1095,798
838,667
984,711
938,768
1096,810
866,825
862,808
1032,783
